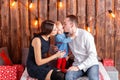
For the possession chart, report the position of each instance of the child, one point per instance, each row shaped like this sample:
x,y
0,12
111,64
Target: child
x,y
61,42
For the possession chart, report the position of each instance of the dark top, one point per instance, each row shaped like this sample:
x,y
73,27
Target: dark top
x,y
33,69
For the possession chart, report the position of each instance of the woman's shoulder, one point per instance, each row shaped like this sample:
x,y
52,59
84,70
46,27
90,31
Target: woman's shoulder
x,y
36,40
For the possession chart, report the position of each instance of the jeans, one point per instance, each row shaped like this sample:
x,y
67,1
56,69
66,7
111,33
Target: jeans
x,y
92,73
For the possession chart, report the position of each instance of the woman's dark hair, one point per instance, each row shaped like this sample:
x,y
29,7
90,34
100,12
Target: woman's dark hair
x,y
47,27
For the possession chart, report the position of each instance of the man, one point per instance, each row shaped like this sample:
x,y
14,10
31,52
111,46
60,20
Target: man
x,y
84,51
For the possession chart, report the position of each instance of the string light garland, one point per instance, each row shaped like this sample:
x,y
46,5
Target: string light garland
x,y
112,15
60,5
30,6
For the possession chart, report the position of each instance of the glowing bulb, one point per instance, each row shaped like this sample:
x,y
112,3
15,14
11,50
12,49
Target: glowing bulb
x,y
13,3
36,21
60,4
31,5
90,18
111,13
88,29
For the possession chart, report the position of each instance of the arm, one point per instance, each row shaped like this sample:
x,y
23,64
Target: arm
x,y
36,43
91,51
63,39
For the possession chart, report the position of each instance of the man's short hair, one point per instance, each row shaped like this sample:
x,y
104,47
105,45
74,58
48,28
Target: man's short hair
x,y
73,19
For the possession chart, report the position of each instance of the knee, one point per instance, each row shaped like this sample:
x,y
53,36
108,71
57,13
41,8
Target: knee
x,y
57,76
60,76
93,78
69,76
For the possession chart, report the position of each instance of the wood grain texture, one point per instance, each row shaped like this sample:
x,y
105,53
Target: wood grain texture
x,y
53,10
33,15
5,22
100,28
117,35
62,11
43,7
109,29
81,13
91,15
24,22
15,33
0,25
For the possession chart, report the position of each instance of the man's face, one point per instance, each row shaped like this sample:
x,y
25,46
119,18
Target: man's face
x,y
67,25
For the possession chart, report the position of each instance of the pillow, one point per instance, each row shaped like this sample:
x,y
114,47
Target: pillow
x,y
19,69
24,55
4,58
8,73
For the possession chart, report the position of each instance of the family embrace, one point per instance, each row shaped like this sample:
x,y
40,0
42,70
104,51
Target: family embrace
x,y
80,42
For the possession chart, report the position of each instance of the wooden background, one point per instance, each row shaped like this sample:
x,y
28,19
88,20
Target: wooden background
x,y
17,27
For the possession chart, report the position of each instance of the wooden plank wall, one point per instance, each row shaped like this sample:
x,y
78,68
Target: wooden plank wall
x,y
17,23
117,35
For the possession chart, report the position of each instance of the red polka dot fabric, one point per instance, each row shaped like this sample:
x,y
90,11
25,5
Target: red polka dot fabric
x,y
8,73
11,72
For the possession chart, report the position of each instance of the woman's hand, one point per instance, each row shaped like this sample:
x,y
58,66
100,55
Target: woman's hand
x,y
60,54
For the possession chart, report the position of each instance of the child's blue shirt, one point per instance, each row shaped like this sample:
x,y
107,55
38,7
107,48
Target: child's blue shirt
x,y
61,42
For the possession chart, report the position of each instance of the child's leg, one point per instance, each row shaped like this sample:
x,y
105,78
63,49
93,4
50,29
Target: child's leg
x,y
59,62
63,65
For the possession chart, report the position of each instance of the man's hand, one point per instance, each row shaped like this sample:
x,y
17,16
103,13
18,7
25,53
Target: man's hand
x,y
73,68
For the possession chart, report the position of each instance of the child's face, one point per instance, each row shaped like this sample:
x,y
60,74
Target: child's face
x,y
60,28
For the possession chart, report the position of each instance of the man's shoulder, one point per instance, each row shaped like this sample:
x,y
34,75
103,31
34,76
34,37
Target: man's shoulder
x,y
84,33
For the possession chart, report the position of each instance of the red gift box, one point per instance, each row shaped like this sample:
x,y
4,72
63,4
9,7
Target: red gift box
x,y
108,62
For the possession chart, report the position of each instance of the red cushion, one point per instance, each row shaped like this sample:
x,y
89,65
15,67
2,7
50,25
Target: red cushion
x,y
8,73
5,58
19,69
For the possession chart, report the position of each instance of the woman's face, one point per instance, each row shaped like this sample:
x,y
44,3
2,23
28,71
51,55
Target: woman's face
x,y
54,31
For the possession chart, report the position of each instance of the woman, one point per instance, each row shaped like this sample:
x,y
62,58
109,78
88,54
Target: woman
x,y
37,62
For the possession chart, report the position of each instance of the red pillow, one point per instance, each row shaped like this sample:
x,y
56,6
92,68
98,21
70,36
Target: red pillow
x,y
19,69
5,58
8,73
